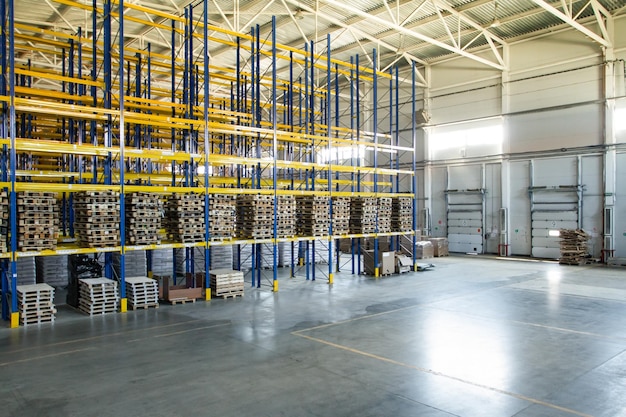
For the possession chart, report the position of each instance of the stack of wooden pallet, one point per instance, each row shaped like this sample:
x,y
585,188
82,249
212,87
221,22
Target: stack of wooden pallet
x,y
143,218
363,215
313,215
222,216
142,292
341,216
37,221
384,214
35,303
226,283
255,216
97,218
573,247
402,214
98,296
286,216
4,221
184,218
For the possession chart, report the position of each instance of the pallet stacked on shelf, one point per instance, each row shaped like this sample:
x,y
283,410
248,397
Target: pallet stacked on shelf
x,y
255,216
384,214
142,292
286,216
4,221
98,296
37,221
363,215
402,217
97,218
313,217
144,212
222,216
341,216
573,245
226,283
52,270
35,303
184,218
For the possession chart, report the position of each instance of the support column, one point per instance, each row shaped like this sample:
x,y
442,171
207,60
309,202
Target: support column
x,y
505,172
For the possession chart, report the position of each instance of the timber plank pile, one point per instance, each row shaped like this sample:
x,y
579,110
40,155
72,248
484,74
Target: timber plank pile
x,y
142,292
573,247
384,214
222,211
402,214
143,218
255,216
37,221
341,216
363,215
226,283
97,218
313,215
4,221
36,303
98,296
286,216
184,218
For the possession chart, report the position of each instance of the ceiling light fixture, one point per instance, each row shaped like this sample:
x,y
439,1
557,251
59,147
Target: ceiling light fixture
x,y
495,22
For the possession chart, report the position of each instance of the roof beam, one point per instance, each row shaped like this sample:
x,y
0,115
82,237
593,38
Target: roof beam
x,y
573,23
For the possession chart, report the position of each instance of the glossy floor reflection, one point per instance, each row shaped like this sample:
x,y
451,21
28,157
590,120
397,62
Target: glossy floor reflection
x,y
472,337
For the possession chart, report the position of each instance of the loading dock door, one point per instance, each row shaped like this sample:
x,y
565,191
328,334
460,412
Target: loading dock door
x,y
465,210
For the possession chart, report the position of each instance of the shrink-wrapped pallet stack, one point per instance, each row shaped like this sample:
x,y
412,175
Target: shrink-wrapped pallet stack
x,y
98,296
52,270
37,221
142,292
97,218
134,264
35,303
255,216
144,212
573,247
363,215
286,216
313,217
384,214
184,218
226,283
222,216
341,216
402,214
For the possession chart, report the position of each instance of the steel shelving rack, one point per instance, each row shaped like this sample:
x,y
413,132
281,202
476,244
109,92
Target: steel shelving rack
x,y
170,121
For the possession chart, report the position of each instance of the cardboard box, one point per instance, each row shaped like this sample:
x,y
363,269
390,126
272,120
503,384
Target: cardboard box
x,y
424,250
173,292
440,246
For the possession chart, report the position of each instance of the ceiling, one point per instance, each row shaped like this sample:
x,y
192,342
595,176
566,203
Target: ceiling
x,y
402,31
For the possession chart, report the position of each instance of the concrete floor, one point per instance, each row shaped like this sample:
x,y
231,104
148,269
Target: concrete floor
x,y
472,337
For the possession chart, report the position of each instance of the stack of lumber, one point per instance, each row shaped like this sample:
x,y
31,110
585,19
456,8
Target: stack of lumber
x,y
285,216
35,303
52,270
184,218
363,215
98,296
573,247
142,292
384,214
4,221
37,221
143,218
313,217
226,283
222,216
97,218
255,216
402,214
341,216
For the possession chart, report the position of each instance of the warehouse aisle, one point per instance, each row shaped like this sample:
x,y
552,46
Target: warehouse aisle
x,y
472,337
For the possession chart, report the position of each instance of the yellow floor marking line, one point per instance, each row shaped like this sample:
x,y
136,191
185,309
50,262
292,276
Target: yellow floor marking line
x,y
430,371
36,358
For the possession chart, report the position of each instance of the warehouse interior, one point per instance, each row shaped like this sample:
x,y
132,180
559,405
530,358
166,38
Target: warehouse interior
x,y
285,207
